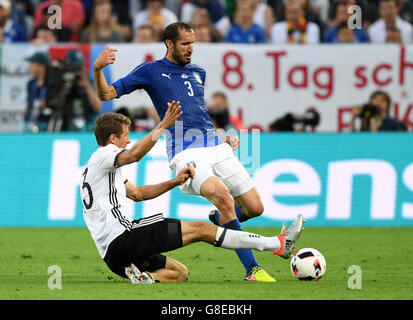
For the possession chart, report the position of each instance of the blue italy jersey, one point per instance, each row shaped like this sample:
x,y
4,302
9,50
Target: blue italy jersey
x,y
166,81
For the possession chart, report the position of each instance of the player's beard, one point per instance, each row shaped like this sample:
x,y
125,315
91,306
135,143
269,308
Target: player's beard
x,y
181,59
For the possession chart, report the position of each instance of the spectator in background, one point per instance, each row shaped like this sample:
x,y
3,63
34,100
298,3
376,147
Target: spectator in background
x,y
244,30
310,14
202,33
156,16
388,11
345,34
201,17
295,28
369,12
37,114
11,31
43,34
144,34
22,14
321,7
375,115
278,9
73,15
216,12
75,102
405,10
103,28
393,36
342,16
218,110
263,16
120,15
63,34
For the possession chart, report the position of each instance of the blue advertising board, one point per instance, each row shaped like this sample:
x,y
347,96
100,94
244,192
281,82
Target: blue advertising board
x,y
352,179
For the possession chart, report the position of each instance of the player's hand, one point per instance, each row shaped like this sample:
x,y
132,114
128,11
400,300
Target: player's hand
x,y
172,114
233,141
104,58
184,175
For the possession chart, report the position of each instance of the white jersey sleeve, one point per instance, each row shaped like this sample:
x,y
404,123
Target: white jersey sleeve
x,y
107,156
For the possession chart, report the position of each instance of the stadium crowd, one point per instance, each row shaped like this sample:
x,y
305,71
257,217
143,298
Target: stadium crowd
x,y
231,21
235,21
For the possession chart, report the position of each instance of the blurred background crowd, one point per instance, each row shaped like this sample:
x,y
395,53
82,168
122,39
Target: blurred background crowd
x,y
61,97
234,21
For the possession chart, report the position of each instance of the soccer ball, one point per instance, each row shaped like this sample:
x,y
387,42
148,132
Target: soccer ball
x,y
308,264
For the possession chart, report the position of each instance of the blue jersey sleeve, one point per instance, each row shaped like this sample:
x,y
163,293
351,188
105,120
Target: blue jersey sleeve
x,y
136,79
203,76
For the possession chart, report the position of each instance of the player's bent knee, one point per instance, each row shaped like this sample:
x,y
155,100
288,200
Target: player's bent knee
x,y
254,210
258,209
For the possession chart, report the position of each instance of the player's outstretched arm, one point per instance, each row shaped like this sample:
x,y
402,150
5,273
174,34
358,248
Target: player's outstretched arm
x,y
142,193
103,90
142,147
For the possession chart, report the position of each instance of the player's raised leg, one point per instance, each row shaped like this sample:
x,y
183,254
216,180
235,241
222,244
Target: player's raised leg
x,y
282,244
191,232
218,194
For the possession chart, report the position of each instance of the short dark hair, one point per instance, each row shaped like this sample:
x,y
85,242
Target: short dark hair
x,y
171,32
384,94
107,124
220,94
342,25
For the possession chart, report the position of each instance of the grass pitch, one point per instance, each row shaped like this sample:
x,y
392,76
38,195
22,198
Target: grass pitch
x,y
381,253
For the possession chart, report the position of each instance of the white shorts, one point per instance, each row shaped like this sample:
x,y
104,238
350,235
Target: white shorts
x,y
218,161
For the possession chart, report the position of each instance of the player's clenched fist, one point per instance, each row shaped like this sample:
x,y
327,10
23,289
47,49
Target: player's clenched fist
x,y
233,141
172,114
106,57
184,175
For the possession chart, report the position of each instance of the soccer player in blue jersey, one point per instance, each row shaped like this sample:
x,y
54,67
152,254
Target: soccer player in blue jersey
x,y
193,141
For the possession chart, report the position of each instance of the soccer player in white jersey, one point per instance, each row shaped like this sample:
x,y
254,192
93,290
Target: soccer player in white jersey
x,y
133,248
193,141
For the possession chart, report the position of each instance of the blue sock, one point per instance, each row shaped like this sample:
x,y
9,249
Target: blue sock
x,y
217,216
240,215
245,255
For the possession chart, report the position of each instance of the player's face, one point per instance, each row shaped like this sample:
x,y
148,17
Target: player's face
x,y
183,48
123,140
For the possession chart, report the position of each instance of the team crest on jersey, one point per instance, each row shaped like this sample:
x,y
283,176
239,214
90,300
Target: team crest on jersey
x,y
191,164
197,77
184,76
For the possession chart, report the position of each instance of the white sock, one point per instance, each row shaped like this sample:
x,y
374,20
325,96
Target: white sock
x,y
233,239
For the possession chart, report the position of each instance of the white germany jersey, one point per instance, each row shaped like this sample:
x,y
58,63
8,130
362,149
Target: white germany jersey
x,y
103,194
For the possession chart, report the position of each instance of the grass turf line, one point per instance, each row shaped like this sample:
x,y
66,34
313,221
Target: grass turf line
x,y
387,272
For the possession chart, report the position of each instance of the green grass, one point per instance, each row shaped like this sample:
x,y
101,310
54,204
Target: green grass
x,y
384,255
